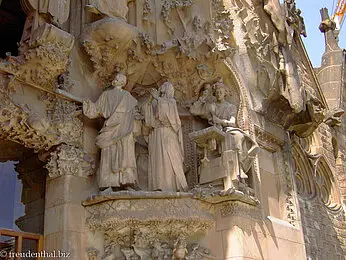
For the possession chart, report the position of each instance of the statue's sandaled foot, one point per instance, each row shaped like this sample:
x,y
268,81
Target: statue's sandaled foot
x,y
116,189
106,190
131,187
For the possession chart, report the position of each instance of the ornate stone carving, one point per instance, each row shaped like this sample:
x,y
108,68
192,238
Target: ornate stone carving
x,y
167,9
107,42
69,160
288,187
294,17
146,223
63,117
223,27
267,140
235,208
23,125
333,117
159,250
93,254
314,177
214,195
45,60
305,123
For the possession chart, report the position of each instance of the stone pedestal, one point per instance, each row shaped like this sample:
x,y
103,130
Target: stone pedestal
x,y
146,225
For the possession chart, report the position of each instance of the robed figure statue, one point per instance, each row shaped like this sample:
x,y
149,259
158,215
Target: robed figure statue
x,y
165,142
116,138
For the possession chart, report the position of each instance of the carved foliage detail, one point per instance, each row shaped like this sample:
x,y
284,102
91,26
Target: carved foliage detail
x,y
69,160
46,59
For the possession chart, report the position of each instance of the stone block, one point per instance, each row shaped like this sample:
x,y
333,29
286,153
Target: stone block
x,y
67,189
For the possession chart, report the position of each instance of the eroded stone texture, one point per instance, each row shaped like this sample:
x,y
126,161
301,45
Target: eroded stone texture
x,y
235,141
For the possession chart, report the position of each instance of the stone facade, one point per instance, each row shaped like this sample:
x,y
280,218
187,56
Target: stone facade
x,y
176,129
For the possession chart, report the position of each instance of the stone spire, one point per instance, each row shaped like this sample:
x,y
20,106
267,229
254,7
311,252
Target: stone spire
x,y
330,73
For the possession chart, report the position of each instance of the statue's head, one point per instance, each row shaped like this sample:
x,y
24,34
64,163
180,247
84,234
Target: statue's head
x,y
220,91
207,90
167,90
119,80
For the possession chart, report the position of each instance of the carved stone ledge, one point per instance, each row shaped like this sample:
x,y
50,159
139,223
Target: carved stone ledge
x,y
236,208
267,140
105,196
69,160
45,60
159,216
212,195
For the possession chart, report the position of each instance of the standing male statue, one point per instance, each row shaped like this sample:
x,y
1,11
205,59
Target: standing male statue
x,y
116,139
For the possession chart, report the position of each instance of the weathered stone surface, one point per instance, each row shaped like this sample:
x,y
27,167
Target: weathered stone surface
x,y
218,92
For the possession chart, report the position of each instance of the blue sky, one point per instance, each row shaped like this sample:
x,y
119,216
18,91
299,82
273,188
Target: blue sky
x,y
314,43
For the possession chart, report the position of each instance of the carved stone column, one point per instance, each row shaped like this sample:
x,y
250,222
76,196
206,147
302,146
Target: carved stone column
x,y
67,185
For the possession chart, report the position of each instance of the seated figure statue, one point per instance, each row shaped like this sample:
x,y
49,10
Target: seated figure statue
x,y
236,145
224,117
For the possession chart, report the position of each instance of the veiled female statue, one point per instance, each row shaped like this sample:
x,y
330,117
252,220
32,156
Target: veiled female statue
x,y
165,142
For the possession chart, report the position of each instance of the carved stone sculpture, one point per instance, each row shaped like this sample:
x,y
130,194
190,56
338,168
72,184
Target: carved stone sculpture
x,y
236,145
69,160
116,138
223,116
294,17
202,106
108,40
166,154
46,58
180,250
312,117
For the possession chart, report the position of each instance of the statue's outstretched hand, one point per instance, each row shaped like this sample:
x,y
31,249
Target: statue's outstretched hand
x,y
154,93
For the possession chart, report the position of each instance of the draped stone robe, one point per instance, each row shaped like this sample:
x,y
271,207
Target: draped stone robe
x,y
236,139
116,139
166,154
